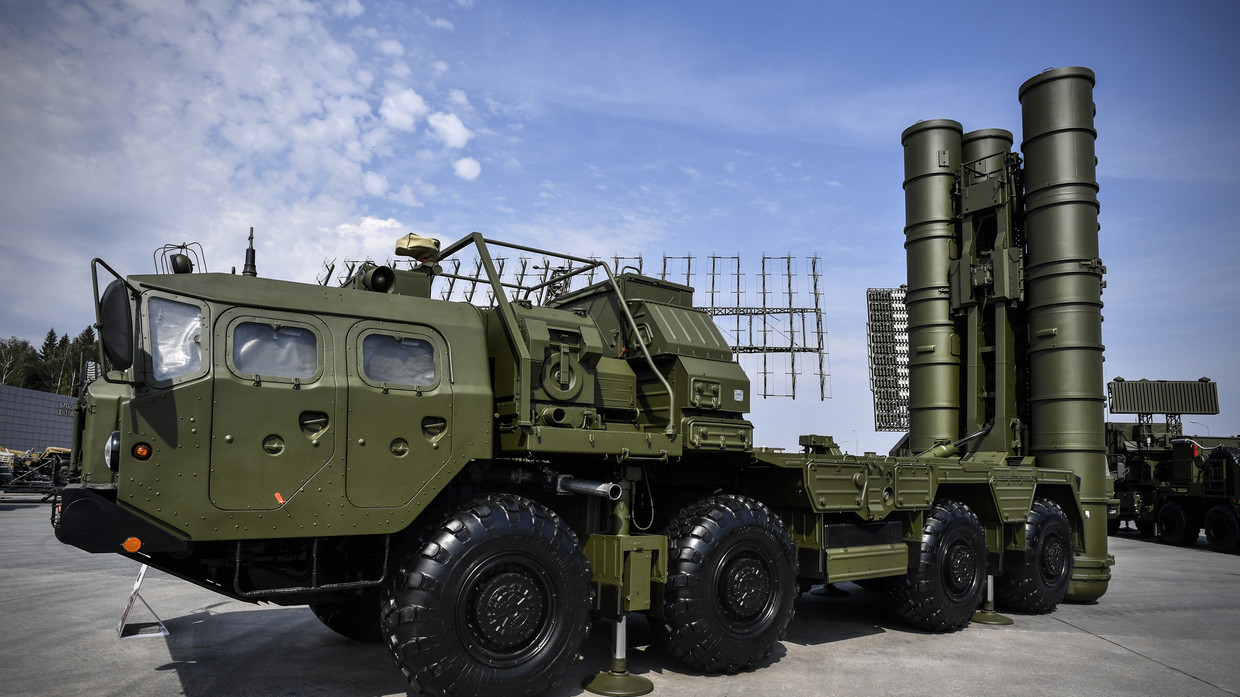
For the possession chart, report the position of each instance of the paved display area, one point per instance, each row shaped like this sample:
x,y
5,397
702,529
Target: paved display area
x,y
1169,625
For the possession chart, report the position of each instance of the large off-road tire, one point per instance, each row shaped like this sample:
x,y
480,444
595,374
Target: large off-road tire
x,y
949,583
356,619
1038,582
732,570
495,601
1222,529
1177,526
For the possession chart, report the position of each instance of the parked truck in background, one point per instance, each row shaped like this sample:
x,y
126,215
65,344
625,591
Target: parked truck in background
x,y
1169,484
475,485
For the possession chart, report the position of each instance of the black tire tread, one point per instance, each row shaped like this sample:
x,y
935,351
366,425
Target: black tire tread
x,y
915,596
1021,588
1222,529
1184,528
431,663
694,534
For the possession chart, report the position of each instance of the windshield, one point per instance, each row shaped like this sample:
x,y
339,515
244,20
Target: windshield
x,y
175,329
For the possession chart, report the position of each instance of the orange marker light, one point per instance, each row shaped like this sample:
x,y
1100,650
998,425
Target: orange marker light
x,y
142,451
132,545
279,498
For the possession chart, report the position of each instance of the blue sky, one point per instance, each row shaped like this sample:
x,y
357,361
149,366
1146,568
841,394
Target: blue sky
x,y
607,128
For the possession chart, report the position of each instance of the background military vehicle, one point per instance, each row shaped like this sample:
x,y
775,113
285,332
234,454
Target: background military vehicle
x,y
1168,483
474,484
35,471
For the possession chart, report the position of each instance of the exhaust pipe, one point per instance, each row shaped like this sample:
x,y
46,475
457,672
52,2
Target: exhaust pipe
x,y
567,484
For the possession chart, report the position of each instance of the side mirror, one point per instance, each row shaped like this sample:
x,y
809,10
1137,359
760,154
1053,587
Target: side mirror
x,y
116,325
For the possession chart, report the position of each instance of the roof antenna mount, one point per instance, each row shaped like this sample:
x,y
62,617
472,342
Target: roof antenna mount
x,y
249,269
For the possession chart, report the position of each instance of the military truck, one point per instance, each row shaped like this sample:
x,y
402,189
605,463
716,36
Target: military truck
x,y
475,485
36,471
1169,484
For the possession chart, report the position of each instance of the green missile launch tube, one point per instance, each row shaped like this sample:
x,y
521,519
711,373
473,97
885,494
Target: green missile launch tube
x,y
1064,302
985,151
931,241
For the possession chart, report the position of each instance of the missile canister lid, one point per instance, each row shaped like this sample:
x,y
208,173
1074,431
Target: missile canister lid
x,y
929,125
1055,74
988,133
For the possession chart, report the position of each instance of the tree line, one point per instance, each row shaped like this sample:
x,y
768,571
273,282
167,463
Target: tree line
x,y
53,367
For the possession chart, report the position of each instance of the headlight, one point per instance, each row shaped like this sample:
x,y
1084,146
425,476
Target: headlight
x,y
112,451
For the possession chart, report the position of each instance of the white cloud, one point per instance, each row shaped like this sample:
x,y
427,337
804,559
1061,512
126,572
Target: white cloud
x,y
441,24
375,184
467,168
400,69
184,121
402,109
390,47
369,226
377,236
426,188
407,197
449,129
349,9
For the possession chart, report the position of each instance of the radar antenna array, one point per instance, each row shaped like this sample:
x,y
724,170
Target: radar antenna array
x,y
777,329
887,334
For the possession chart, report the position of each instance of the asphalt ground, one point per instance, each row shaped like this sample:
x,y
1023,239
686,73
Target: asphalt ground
x,y
1168,626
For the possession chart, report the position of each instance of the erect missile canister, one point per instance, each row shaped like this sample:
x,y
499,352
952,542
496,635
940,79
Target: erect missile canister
x,y
931,241
986,150
1063,292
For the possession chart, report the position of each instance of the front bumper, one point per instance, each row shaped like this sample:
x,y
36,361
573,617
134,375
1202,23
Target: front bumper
x,y
88,520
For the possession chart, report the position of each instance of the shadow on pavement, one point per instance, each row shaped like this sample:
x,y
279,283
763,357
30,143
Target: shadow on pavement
x,y
273,651
219,650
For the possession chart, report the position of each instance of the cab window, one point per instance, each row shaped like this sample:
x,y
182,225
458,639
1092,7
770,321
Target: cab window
x,y
176,328
398,360
275,350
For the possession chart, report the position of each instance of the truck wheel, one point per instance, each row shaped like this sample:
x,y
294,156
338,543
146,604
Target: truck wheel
x,y
1222,529
947,586
732,581
1176,526
494,601
356,619
1039,582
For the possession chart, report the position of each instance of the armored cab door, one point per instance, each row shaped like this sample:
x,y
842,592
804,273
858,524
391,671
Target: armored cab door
x,y
273,421
400,412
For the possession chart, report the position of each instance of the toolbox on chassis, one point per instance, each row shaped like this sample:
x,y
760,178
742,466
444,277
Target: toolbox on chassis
x,y
475,486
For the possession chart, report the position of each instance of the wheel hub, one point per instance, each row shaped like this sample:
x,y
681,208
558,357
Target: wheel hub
x,y
508,610
1054,558
746,588
961,564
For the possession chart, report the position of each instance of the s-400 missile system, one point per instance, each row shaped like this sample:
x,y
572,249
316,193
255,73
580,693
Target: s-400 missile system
x,y
476,485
